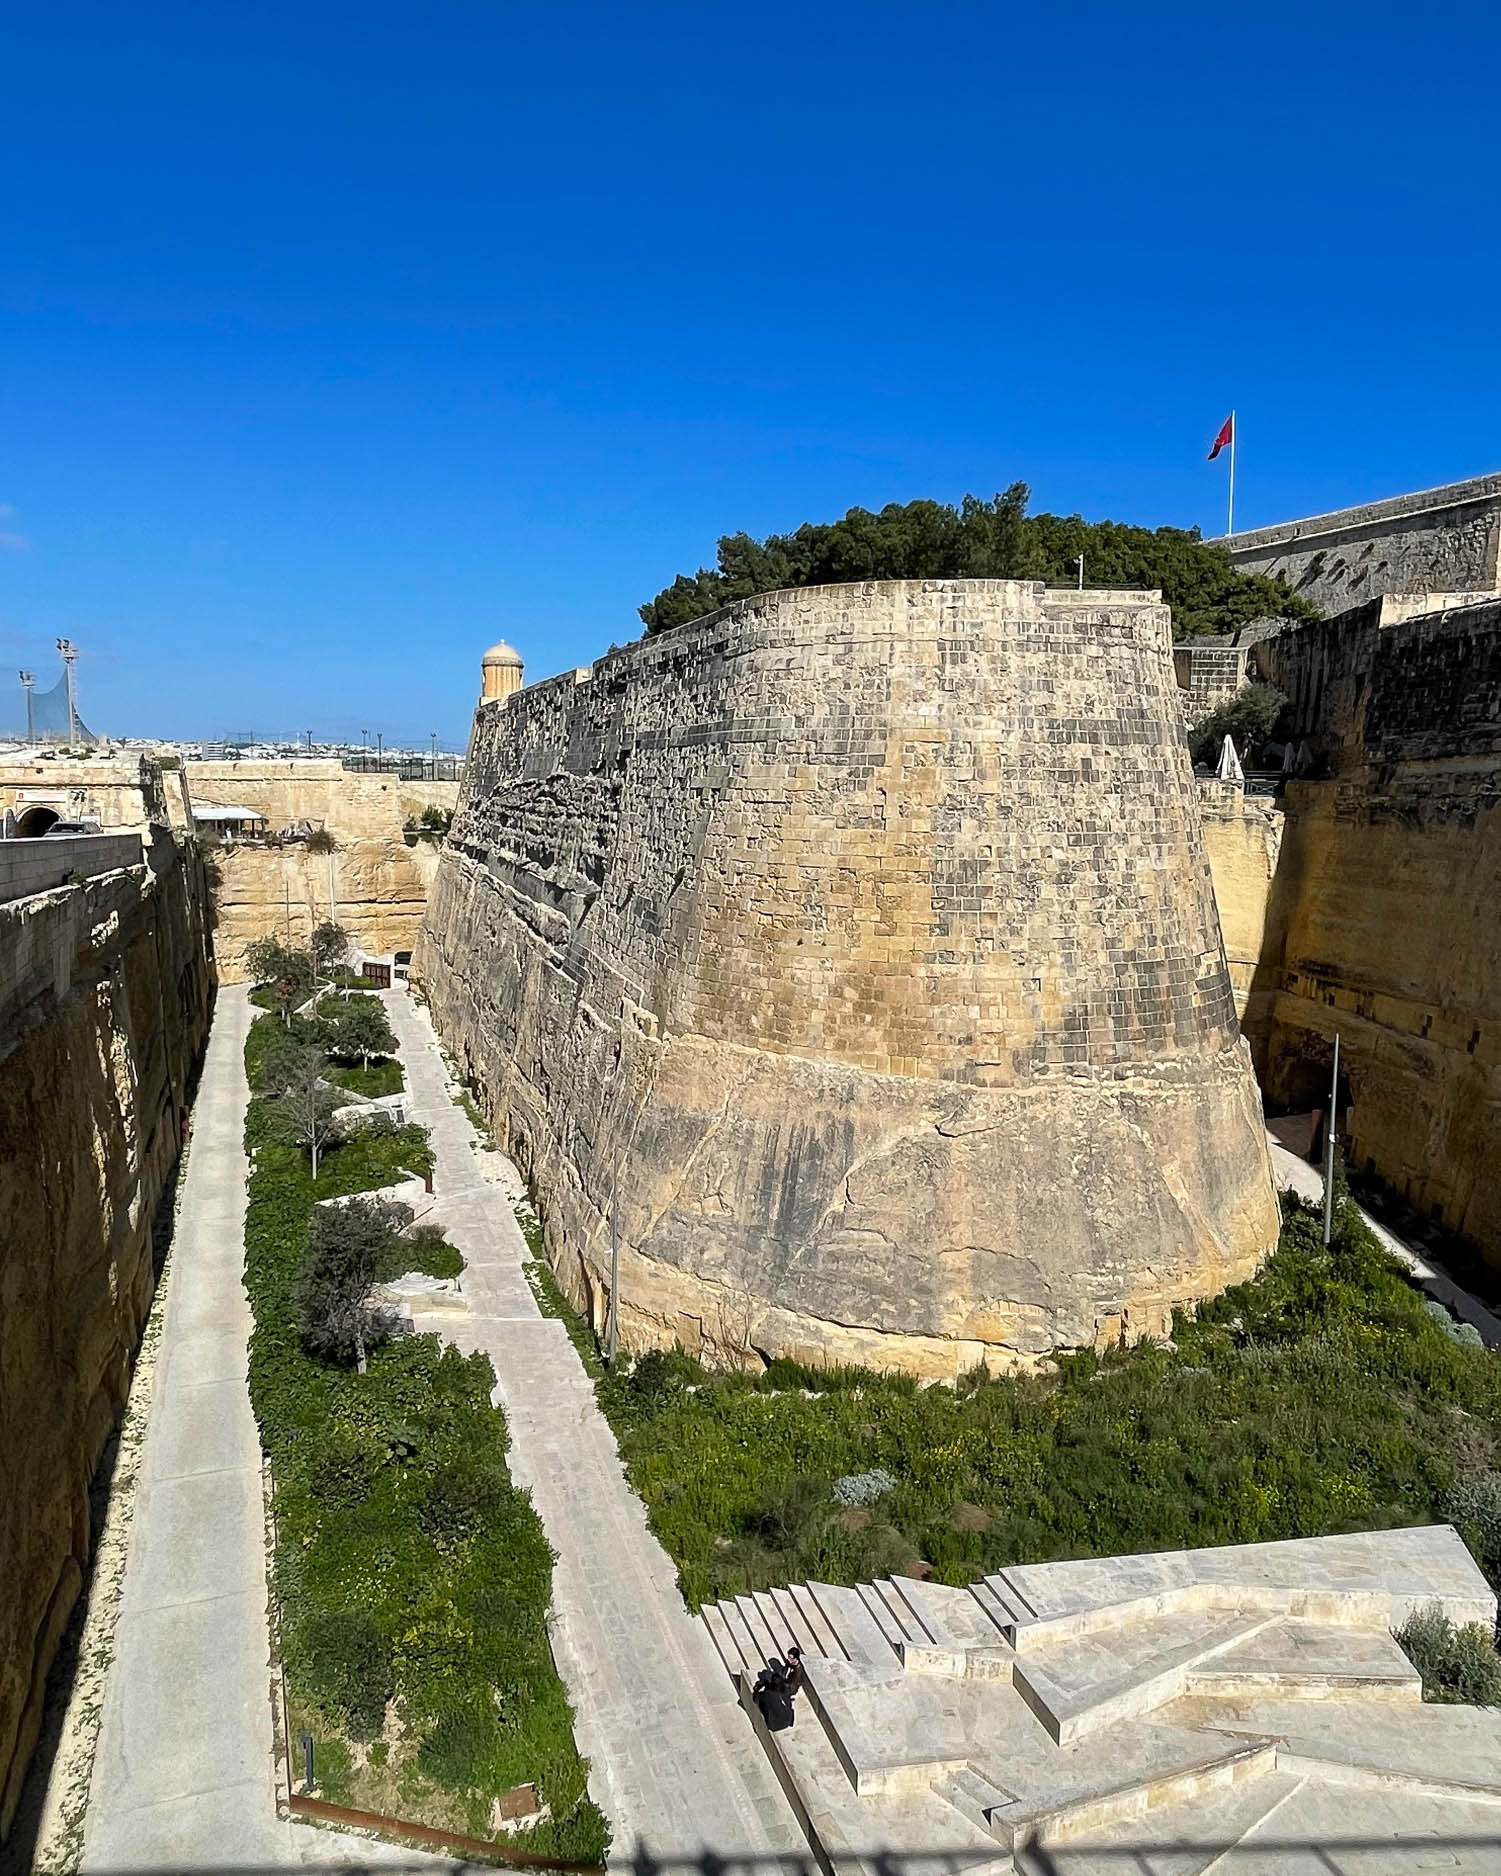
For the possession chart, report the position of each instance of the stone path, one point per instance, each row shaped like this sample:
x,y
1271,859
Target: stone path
x,y
674,1764
183,1768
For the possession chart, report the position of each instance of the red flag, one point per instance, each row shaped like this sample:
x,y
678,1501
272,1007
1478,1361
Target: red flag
x,y
1226,435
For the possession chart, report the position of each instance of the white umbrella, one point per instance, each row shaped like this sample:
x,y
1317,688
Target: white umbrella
x,y
1230,769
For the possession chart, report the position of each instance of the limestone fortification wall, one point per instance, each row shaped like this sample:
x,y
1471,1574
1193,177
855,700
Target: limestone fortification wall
x,y
125,791
1438,540
1243,839
1383,922
375,884
105,992
857,946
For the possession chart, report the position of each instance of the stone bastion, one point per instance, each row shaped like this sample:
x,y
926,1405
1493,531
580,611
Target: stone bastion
x,y
852,955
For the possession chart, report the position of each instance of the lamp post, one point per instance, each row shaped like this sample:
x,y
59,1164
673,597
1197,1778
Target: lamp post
x,y
1329,1147
27,680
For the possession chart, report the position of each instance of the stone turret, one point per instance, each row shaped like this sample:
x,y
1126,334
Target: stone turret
x,y
500,673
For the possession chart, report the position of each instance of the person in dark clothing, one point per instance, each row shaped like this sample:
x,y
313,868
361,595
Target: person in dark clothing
x,y
773,1697
794,1672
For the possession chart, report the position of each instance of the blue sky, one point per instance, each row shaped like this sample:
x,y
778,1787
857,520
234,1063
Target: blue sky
x,y
336,342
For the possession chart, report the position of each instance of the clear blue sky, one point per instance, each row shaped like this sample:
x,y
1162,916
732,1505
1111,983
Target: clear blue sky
x,y
337,341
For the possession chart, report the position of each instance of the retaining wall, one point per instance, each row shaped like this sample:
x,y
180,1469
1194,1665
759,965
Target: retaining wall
x,y
105,992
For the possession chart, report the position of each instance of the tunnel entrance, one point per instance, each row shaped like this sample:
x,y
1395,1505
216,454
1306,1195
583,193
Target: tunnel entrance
x,y
35,822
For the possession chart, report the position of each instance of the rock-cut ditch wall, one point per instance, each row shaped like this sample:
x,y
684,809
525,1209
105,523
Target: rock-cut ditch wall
x,y
853,953
105,993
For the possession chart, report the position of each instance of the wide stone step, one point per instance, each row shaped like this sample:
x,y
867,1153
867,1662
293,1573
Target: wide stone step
x,y
882,1612
819,1625
1173,1838
1012,1608
974,1796
1202,1786
860,1635
728,1648
812,1636
949,1621
763,1640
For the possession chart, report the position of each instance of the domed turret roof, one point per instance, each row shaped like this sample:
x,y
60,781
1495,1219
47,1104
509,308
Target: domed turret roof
x,y
502,653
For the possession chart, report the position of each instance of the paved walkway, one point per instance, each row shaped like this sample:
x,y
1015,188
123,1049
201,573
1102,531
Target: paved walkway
x,y
183,1767
675,1765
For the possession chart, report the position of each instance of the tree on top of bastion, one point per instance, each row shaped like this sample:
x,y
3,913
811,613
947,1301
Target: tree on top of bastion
x,y
998,540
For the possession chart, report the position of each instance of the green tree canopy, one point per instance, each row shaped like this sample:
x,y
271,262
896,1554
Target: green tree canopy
x,y
303,1113
330,947
927,540
1249,716
348,1247
356,1026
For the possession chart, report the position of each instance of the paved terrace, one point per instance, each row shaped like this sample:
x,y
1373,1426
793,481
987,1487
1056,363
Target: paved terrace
x,y
1243,1711
675,1767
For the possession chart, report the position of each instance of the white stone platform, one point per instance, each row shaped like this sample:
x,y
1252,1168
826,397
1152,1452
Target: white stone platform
x,y
1242,1710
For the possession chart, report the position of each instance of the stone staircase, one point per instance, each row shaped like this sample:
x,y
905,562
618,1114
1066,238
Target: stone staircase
x,y
1057,1718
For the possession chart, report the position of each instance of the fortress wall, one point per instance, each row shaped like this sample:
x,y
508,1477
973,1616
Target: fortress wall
x,y
105,992
1438,540
376,884
1383,921
1243,838
862,939
115,792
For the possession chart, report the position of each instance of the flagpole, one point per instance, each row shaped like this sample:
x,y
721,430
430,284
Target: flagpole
x,y
1234,430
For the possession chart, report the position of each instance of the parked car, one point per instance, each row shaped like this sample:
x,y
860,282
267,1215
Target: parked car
x,y
63,830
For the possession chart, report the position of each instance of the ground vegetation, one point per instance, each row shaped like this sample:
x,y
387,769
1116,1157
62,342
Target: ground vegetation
x,y
412,1578
1459,1666
994,539
1319,1397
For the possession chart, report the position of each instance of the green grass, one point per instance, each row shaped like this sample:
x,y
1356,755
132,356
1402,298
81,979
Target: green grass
x,y
413,1577
1319,1397
378,1079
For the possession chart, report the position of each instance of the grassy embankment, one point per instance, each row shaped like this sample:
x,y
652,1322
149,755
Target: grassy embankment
x,y
1322,1396
413,1578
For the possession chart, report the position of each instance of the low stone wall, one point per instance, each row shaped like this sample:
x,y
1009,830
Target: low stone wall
x,y
855,950
105,993
31,866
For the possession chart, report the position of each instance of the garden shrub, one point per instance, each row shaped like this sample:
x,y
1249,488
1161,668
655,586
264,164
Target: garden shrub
x,y
1459,1666
425,1248
347,1659
407,1566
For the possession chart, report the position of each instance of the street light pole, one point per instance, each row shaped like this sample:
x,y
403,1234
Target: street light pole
x,y
1329,1146
612,1333
27,680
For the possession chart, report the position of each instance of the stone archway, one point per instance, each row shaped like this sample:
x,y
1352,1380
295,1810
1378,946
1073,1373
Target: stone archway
x,y
34,822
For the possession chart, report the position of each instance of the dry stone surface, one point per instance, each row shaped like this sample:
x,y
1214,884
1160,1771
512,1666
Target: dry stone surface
x,y
105,990
856,949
